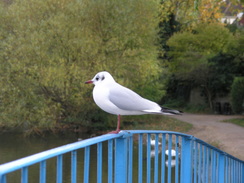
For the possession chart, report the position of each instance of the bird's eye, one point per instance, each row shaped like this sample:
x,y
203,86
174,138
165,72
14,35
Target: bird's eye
x,y
97,78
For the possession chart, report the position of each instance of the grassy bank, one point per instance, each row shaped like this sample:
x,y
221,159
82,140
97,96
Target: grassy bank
x,y
154,122
143,122
237,121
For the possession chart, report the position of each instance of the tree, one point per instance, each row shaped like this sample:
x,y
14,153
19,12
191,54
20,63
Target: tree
x,y
191,13
191,51
48,48
237,95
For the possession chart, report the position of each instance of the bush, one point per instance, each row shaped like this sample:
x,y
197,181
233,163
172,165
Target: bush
x,y
237,95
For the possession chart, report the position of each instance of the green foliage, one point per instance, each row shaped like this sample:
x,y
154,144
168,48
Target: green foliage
x,y
49,48
237,94
191,52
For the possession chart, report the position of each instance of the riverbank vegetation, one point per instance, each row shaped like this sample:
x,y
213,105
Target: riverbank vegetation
x,y
160,49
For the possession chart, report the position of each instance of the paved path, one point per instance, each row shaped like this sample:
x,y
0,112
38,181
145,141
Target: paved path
x,y
227,136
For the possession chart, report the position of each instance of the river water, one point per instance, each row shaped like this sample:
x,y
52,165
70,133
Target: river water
x,y
15,146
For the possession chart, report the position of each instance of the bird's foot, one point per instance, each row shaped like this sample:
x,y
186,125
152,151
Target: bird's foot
x,y
114,132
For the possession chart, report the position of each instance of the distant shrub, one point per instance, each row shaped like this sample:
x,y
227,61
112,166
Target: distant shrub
x,y
237,94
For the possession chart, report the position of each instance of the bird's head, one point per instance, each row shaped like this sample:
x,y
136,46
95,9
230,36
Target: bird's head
x,y
101,77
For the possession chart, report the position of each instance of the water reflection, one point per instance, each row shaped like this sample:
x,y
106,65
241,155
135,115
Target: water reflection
x,y
15,146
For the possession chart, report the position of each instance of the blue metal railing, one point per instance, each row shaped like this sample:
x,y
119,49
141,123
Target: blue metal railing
x,y
133,156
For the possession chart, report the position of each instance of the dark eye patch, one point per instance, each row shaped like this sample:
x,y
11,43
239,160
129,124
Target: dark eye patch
x,y
103,78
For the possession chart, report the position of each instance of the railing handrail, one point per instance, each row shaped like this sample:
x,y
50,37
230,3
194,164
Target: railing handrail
x,y
38,157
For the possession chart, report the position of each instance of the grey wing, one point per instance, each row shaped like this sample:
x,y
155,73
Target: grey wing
x,y
127,99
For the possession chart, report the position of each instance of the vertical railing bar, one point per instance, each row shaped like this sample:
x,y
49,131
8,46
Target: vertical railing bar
x,y
226,169
42,171
163,158
156,160
229,170
24,175
140,156
233,170
204,163
86,164
214,166
217,167
99,162
195,161
200,164
231,173
148,158
121,159
59,170
177,159
237,172
74,166
186,160
240,172
3,178
110,161
208,173
221,168
130,163
169,157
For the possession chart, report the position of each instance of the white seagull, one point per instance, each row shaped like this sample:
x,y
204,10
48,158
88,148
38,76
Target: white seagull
x,y
119,100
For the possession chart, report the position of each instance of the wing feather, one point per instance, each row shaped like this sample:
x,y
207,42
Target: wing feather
x,y
127,99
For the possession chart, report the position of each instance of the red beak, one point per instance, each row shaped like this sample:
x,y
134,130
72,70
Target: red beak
x,y
88,82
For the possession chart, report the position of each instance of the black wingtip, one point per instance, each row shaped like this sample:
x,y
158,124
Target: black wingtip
x,y
171,111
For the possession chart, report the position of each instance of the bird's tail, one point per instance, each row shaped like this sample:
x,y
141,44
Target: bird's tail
x,y
170,111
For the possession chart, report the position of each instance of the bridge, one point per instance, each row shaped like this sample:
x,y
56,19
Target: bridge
x,y
129,157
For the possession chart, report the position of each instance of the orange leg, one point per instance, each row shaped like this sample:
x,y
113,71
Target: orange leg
x,y
118,127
